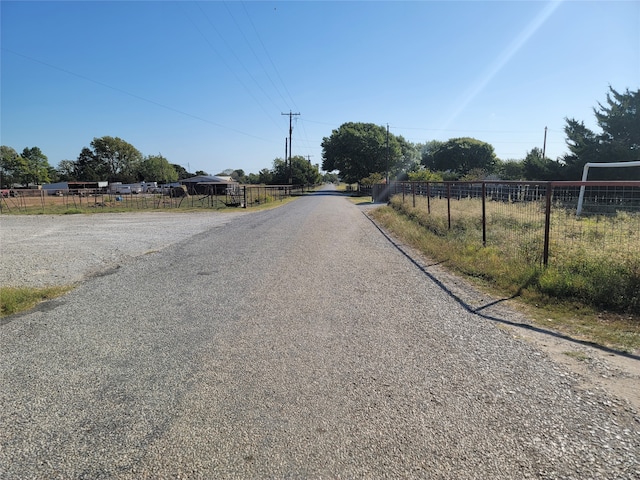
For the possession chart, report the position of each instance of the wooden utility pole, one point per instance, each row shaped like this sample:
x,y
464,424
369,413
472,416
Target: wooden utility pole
x,y
544,145
291,115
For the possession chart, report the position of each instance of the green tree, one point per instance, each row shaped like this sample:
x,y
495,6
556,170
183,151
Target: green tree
x,y
181,171
584,146
619,140
89,168
537,167
66,170
238,175
510,170
427,150
424,175
373,179
302,172
252,179
265,177
156,168
357,150
461,155
620,124
408,161
37,167
121,160
11,166
330,177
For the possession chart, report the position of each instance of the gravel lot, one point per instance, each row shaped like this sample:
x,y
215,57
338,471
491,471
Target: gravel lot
x,y
42,250
335,355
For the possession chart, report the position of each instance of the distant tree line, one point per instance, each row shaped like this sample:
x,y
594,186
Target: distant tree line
x,y
367,153
115,160
301,170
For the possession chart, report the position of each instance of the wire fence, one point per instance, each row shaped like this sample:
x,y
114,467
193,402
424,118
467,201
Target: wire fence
x,y
91,200
541,222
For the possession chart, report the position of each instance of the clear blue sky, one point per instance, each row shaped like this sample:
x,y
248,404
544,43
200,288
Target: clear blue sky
x,y
205,83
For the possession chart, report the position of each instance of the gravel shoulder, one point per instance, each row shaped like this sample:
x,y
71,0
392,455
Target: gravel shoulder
x,y
596,368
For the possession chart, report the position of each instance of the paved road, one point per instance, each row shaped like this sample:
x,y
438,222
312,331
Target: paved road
x,y
291,343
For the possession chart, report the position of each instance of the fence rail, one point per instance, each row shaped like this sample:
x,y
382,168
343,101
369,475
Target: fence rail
x,y
541,221
244,196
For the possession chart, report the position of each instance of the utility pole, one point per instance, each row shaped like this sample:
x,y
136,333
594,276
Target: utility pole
x,y
309,158
291,115
387,155
544,145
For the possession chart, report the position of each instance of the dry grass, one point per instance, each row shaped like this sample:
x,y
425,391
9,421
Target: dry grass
x,y
593,299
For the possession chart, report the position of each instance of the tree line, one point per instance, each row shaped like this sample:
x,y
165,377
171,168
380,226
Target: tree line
x,y
113,159
367,153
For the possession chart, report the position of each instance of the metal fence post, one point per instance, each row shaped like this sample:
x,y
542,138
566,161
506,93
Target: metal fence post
x,y
413,191
449,204
547,225
484,214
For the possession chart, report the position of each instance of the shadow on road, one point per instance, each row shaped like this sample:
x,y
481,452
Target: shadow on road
x,y
479,310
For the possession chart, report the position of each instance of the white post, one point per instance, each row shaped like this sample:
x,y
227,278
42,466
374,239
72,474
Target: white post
x,y
585,171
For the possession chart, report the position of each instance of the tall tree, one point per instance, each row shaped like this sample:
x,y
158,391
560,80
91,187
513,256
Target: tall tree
x,y
510,170
156,168
265,177
619,140
37,167
121,159
66,170
11,166
89,168
461,155
408,161
302,172
620,124
357,150
182,172
427,150
537,167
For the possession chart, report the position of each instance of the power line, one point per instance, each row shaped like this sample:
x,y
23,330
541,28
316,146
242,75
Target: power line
x,y
119,90
269,58
238,60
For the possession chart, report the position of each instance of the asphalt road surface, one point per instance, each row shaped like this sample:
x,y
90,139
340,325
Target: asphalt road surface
x,y
297,342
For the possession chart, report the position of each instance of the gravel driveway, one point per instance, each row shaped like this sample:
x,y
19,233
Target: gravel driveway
x,y
292,343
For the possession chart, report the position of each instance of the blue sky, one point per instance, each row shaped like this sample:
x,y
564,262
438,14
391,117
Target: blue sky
x,y
205,83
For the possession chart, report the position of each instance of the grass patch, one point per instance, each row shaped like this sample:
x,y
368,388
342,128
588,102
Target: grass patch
x,y
581,357
592,299
18,299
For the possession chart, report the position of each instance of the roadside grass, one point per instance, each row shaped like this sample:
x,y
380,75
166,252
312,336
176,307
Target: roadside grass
x,y
18,299
567,301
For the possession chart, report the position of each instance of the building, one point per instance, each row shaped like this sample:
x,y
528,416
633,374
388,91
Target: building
x,y
209,185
